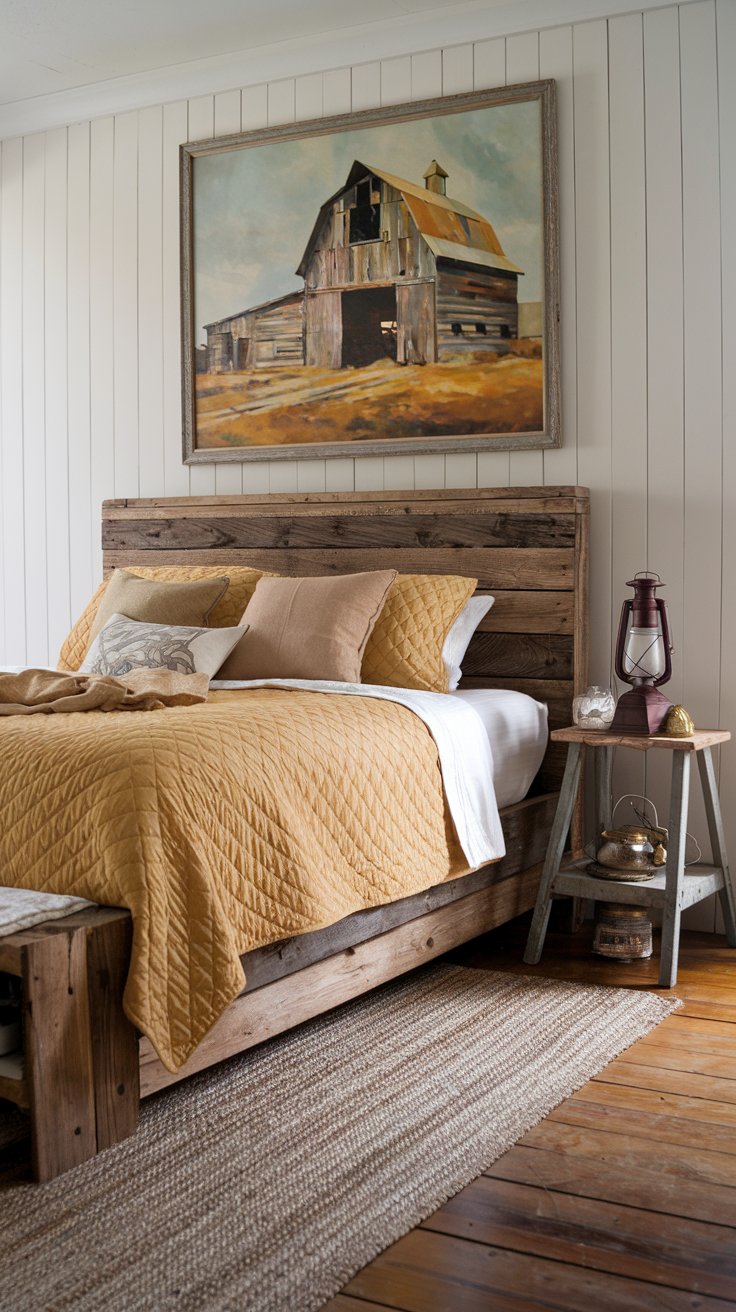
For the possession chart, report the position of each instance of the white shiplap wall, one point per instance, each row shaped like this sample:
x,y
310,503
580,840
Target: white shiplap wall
x,y
89,329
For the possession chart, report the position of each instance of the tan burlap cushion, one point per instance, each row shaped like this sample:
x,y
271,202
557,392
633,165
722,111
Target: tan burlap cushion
x,y
405,647
225,614
313,628
179,602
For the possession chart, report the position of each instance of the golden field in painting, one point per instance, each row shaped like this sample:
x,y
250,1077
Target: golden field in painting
x,y
278,406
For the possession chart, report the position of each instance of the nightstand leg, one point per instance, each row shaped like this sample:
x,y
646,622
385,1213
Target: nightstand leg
x,y
675,868
603,760
718,842
555,849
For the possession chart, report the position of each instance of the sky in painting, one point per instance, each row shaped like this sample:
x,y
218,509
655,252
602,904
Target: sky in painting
x,y
254,207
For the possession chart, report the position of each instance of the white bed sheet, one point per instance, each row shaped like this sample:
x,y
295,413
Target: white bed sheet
x,y
516,726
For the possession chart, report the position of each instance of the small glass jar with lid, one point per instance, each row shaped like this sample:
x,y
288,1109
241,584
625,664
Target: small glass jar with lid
x,y
594,708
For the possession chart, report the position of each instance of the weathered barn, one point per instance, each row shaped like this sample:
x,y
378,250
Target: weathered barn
x,y
392,270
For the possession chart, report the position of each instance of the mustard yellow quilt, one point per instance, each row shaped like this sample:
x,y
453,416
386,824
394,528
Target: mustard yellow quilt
x,y
258,815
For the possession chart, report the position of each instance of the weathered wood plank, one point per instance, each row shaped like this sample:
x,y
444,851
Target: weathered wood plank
x,y
590,1232
526,826
58,1052
529,612
114,1038
257,1016
651,1125
696,742
494,567
519,655
430,1272
570,492
652,1190
204,531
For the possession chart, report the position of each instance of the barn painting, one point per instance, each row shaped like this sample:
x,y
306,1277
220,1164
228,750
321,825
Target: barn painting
x,y
412,305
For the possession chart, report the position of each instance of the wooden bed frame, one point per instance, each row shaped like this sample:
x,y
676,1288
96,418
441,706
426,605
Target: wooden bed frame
x,y
85,1067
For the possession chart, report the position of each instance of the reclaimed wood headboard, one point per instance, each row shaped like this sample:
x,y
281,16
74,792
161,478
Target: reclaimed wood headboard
x,y
526,545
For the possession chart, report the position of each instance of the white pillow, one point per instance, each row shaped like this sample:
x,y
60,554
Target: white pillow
x,y
458,638
124,645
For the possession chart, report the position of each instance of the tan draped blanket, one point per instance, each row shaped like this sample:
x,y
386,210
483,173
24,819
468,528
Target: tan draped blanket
x,y
45,692
258,815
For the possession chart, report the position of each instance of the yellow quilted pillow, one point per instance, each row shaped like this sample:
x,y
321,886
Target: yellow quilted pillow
x,y
405,648
226,614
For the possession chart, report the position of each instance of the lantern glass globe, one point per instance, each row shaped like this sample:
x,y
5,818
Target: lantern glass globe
x,y
644,654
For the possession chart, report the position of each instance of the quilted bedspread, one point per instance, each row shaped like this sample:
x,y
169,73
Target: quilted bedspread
x,y
222,827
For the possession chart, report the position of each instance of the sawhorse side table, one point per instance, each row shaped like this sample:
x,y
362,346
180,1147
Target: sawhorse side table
x,y
672,888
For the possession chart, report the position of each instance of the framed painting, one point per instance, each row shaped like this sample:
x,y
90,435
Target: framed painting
x,y
377,282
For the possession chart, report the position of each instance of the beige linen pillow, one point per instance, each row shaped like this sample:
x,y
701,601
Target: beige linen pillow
x,y
124,645
405,647
314,628
225,614
155,602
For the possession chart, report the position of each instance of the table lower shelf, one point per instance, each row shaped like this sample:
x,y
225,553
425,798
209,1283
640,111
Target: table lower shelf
x,y
698,882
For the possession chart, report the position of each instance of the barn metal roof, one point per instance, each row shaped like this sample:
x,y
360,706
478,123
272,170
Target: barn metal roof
x,y
451,229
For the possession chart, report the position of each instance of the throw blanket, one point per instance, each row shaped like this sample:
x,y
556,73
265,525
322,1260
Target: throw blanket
x,y
34,692
224,826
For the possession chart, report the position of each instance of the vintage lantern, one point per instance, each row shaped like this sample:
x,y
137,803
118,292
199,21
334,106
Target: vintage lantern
x,y
643,652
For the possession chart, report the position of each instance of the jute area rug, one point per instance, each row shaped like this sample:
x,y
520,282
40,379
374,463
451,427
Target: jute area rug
x,y
266,1184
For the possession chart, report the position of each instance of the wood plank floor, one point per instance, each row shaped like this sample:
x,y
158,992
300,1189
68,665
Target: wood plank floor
x,y
624,1197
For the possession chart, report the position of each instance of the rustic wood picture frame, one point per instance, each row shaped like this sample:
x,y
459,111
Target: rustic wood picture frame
x,y
293,309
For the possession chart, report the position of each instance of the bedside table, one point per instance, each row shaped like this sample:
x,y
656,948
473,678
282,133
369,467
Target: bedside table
x,y
673,888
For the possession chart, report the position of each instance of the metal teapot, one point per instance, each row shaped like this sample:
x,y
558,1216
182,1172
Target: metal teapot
x,y
631,847
632,851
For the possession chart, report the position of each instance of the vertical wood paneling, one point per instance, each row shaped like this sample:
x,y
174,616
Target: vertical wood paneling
x,y
254,114
368,473
281,106
308,96
665,344
726,29
700,654
522,65
176,474
339,475
201,125
592,219
700,646
555,60
489,70
457,70
628,328
398,472
311,475
366,86
125,304
102,376
489,63
336,91
254,107
426,75
78,369
81,510
12,537
150,302
57,585
34,409
395,80
228,119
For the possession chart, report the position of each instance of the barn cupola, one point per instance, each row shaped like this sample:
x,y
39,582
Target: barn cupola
x,y
435,178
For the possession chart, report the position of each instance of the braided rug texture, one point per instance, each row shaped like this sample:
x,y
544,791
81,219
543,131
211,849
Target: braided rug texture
x,y
266,1184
